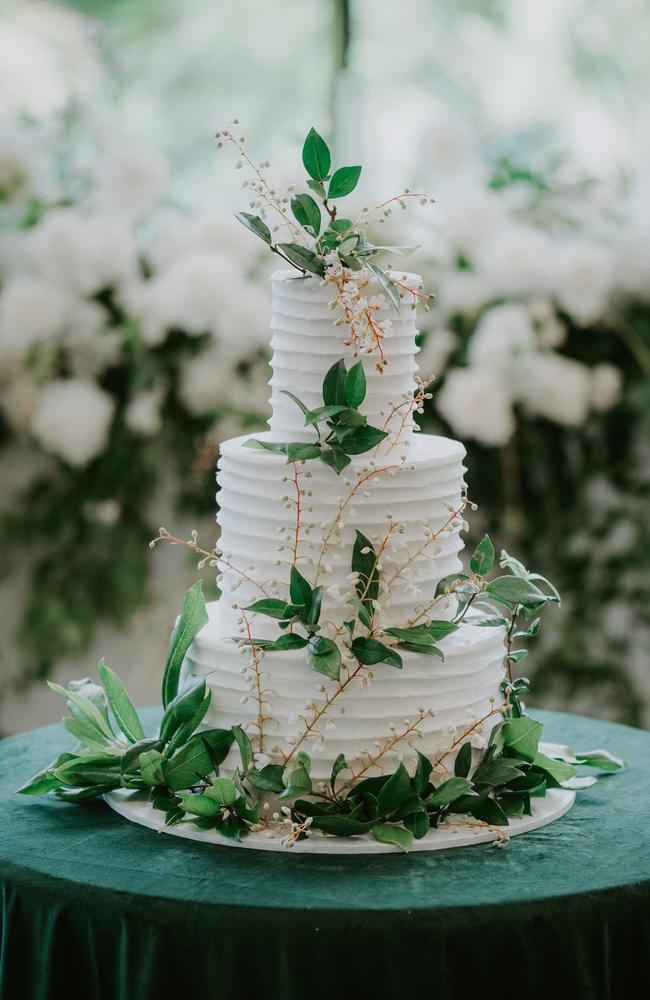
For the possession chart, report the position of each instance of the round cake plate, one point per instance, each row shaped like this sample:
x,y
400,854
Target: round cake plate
x,y
557,801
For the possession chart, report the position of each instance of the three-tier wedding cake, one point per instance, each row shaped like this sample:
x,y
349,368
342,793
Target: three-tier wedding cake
x,y
355,687
407,496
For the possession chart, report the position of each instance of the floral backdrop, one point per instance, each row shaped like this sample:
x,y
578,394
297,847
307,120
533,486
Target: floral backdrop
x,y
134,312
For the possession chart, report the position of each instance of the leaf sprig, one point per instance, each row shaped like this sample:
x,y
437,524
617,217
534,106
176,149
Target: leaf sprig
x,y
347,433
323,232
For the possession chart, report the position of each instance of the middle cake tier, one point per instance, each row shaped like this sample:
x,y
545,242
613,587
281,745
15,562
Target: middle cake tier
x,y
273,514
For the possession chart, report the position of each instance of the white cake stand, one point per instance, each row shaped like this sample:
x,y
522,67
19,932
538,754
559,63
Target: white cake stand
x,y
457,833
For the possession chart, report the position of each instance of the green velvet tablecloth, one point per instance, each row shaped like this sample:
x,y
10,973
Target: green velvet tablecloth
x,y
96,908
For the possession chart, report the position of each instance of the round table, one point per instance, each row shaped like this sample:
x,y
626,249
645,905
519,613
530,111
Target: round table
x,y
95,907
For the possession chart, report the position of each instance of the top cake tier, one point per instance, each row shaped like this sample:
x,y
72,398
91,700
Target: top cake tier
x,y
307,341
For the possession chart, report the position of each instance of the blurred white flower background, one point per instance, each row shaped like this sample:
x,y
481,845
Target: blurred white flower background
x,y
134,311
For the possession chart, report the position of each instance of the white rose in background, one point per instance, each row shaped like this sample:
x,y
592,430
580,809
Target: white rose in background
x,y
584,274
72,419
557,388
32,311
83,251
142,414
476,405
503,335
131,181
606,386
433,356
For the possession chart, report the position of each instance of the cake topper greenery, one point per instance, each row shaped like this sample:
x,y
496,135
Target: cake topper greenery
x,y
313,239
491,767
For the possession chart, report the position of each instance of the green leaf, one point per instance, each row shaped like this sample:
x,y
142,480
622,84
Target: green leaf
x,y
513,590
449,581
268,779
335,458
560,770
522,735
422,774
306,212
363,439
121,705
423,650
300,451
323,413
354,387
272,607
365,564
341,225
299,783
245,749
85,732
392,794
318,188
601,759
223,791
386,283
342,826
495,772
303,258
340,764
193,761
334,385
300,590
483,558
43,782
385,833
183,707
186,729
192,619
256,225
463,761
87,708
344,180
316,603
278,447
299,403
152,771
371,651
448,792
284,642
491,812
324,656
199,805
316,156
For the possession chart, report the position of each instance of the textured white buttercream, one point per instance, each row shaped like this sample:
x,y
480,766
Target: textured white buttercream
x,y
306,343
458,689
407,490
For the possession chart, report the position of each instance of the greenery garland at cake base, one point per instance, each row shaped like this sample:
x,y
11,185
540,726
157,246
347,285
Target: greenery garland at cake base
x,y
178,769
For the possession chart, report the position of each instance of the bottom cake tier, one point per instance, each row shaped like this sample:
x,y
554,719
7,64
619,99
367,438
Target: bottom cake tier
x,y
430,705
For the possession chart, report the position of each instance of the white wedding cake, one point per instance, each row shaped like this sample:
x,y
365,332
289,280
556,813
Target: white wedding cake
x,y
406,496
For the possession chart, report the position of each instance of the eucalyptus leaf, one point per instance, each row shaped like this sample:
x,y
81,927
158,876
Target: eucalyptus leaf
x,y
354,386
192,619
343,182
303,258
316,156
121,705
386,833
306,212
386,283
255,225
334,384
324,656
483,558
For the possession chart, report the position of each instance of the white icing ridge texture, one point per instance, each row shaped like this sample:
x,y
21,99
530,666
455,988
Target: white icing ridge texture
x,y
306,343
412,487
